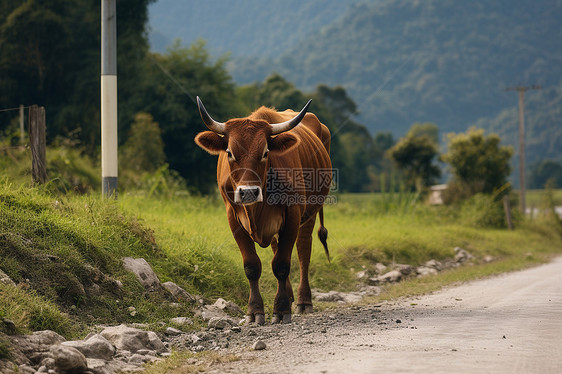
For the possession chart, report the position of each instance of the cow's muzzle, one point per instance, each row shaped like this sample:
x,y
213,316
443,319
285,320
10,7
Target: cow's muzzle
x,y
248,195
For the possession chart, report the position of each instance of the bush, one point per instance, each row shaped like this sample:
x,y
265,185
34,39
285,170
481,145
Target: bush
x,y
482,210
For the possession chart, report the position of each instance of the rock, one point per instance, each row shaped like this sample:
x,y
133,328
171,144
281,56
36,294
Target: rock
x,y
155,343
422,271
4,278
179,293
9,326
142,270
258,345
207,312
172,331
352,297
68,360
380,268
228,307
462,255
370,290
220,323
488,259
95,346
405,270
434,264
34,347
390,277
363,275
332,296
130,339
181,321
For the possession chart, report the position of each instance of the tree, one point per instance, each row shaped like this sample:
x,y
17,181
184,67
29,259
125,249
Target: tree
x,y
144,148
50,55
172,107
415,156
543,171
478,162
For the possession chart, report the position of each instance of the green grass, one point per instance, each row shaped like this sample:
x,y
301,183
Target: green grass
x,y
65,251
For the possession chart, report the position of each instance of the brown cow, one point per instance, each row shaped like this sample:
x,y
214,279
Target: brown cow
x,y
273,175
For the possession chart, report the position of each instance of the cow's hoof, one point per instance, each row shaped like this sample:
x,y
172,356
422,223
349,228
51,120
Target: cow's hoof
x,y
304,309
257,318
286,318
260,319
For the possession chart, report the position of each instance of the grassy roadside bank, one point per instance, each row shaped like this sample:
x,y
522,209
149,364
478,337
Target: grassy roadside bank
x,y
65,252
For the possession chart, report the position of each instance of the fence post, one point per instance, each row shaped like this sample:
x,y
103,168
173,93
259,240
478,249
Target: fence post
x,y
507,209
37,141
22,132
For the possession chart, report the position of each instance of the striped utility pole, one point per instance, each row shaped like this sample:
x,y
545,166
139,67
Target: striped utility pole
x,y
108,98
521,90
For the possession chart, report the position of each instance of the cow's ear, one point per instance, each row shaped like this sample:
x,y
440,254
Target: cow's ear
x,y
283,142
211,142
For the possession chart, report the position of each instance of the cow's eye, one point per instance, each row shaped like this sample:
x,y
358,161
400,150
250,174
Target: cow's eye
x,y
229,154
265,154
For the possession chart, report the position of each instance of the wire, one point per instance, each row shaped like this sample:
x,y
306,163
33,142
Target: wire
x,y
181,87
10,109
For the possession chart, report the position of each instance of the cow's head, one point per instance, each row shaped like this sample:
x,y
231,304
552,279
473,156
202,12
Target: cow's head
x,y
247,144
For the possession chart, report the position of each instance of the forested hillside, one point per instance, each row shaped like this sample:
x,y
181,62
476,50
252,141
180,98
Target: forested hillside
x,y
402,61
243,27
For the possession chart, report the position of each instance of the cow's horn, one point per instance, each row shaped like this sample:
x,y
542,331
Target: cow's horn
x,y
278,128
213,125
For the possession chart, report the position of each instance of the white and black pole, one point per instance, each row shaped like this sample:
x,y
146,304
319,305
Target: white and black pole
x,y
108,98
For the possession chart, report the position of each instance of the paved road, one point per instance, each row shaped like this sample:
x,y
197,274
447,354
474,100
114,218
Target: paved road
x,y
506,324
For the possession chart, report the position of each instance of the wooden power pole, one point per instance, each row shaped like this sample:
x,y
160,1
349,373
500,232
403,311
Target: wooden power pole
x,y
521,90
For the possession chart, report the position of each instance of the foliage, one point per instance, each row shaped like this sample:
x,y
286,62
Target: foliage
x,y
168,101
544,171
144,149
477,161
50,55
415,155
483,210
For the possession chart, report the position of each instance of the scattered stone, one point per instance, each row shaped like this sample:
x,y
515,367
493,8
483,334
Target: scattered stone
x,y
380,268
462,255
181,321
143,271
220,323
488,259
172,331
8,326
405,270
434,264
392,276
258,345
179,293
228,307
422,271
96,346
68,359
4,278
398,321
132,339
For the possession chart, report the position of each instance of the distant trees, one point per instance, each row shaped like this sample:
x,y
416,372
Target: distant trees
x,y
544,171
478,162
415,155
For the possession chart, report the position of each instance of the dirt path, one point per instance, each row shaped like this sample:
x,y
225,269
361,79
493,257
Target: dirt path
x,y
506,324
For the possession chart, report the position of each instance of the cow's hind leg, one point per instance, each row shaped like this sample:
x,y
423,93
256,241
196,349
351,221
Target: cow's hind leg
x,y
304,249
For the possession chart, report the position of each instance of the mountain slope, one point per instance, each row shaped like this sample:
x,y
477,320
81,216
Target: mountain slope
x,y
243,27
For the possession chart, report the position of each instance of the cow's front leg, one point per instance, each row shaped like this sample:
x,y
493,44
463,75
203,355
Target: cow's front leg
x,y
252,268
281,265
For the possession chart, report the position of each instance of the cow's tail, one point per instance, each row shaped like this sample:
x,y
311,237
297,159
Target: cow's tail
x,y
323,233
